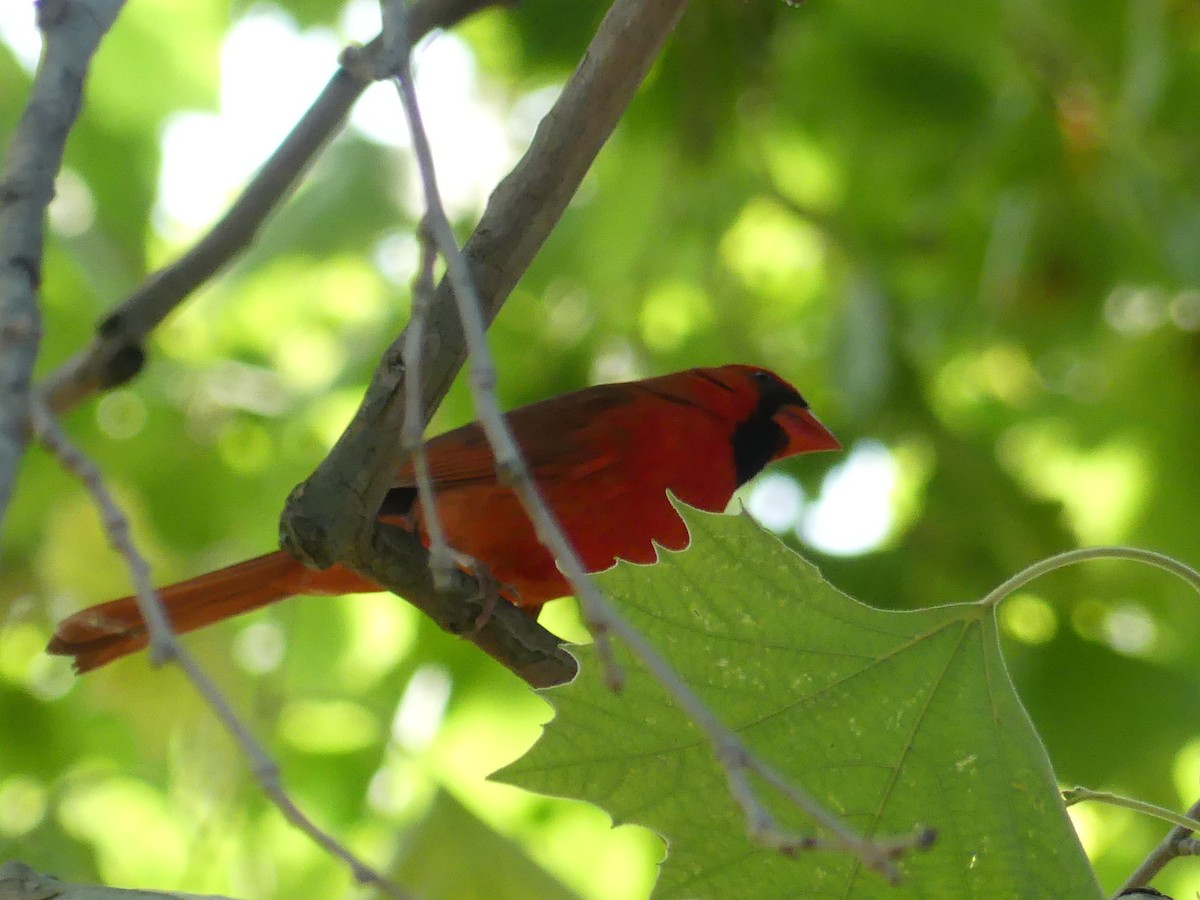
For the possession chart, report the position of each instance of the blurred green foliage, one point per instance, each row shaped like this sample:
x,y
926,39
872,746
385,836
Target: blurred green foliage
x,y
970,233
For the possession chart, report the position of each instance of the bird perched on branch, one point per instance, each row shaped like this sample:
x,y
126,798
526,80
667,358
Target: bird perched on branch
x,y
604,458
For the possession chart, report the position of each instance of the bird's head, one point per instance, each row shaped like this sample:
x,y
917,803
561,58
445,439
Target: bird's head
x,y
770,418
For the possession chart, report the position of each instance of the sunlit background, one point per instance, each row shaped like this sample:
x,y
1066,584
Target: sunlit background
x,y
971,236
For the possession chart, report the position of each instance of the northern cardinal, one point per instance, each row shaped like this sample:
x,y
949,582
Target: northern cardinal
x,y
604,458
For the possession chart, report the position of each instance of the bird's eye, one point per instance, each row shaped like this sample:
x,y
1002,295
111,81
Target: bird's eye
x,y
763,378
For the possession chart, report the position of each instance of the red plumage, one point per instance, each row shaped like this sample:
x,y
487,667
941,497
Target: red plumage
x,y
604,458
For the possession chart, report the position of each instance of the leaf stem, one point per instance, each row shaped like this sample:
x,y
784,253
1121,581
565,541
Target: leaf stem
x,y
1172,845
1084,554
1074,795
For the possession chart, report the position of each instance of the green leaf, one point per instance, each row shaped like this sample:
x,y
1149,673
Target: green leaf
x,y
891,719
451,853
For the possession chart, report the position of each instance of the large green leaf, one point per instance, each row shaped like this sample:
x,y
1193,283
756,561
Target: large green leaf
x,y
432,862
891,719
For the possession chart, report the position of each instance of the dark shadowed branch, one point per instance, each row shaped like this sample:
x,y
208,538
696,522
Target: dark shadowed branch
x,y
741,766
331,516
1179,841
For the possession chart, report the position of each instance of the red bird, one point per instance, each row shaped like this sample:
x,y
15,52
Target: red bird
x,y
604,458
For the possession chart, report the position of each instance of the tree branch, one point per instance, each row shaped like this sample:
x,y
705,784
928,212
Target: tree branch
x,y
1079,794
71,33
19,882
331,517
733,756
1178,842
116,353
165,646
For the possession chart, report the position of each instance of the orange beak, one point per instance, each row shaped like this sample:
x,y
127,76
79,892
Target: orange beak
x,y
805,433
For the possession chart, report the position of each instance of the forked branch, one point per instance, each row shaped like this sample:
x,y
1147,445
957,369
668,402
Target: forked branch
x,y
331,516
733,755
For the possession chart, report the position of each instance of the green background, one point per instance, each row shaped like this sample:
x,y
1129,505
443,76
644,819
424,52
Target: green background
x,y
969,233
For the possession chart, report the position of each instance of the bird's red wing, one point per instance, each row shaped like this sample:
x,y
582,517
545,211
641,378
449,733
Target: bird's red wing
x,y
555,437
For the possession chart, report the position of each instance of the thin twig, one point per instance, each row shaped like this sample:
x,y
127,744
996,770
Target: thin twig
x,y
1177,842
165,646
1074,795
117,354
509,461
1188,847
266,772
330,518
732,754
414,427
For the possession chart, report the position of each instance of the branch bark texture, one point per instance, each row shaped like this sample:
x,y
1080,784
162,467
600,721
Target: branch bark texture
x,y
71,31
1177,842
331,516
19,882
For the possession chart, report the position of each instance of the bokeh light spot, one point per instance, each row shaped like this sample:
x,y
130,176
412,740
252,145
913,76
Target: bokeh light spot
x,y
1028,619
853,513
22,805
801,170
106,812
774,252
73,209
259,648
1130,629
1088,825
1186,772
1185,310
121,414
328,727
245,446
20,644
381,630
776,501
1103,490
1000,373
671,313
422,706
1134,310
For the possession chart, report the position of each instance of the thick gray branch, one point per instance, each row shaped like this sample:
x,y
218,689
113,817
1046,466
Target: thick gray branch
x,y
71,31
330,517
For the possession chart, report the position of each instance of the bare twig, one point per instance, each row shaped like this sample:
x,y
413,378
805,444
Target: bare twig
x,y
331,517
732,754
509,461
1178,842
440,561
1188,847
72,32
1074,795
164,645
116,354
